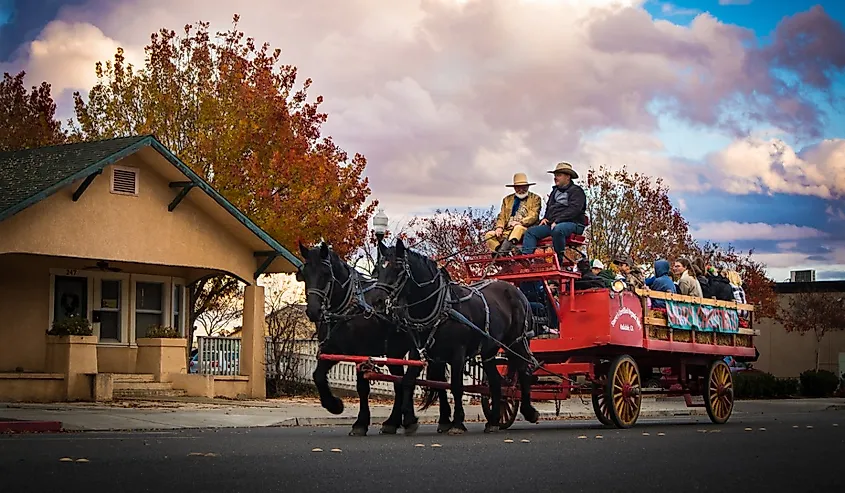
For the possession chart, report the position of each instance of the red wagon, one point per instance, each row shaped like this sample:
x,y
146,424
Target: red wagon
x,y
612,345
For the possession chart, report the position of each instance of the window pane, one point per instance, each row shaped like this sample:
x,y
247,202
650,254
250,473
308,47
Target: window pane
x,y
177,298
110,294
110,325
148,296
143,321
70,297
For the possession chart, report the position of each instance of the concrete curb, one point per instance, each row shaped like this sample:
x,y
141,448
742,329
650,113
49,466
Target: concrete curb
x,y
430,420
30,426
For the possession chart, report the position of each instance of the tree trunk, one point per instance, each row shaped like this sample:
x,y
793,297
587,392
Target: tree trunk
x,y
818,352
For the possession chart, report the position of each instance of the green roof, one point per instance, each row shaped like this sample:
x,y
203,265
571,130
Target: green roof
x,y
30,176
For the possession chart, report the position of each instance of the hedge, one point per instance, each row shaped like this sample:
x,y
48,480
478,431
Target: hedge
x,y
758,385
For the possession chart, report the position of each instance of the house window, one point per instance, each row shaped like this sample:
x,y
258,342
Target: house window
x,y
70,297
110,326
149,304
178,291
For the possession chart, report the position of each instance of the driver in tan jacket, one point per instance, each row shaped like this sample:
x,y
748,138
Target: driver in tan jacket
x,y
520,210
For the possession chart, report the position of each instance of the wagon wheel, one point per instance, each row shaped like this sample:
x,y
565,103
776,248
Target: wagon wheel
x,y
623,392
507,410
719,392
599,406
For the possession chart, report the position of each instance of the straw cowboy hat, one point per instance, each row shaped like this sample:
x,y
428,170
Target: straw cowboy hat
x,y
520,179
565,167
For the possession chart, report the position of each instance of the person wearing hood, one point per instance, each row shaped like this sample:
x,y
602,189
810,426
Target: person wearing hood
x,y
660,282
520,210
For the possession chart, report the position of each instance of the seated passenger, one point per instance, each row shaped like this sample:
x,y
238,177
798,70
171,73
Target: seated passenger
x,y
541,305
588,279
660,282
520,210
739,293
606,275
687,284
701,275
565,212
628,272
720,287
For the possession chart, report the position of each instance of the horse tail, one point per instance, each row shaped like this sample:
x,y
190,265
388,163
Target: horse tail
x,y
437,373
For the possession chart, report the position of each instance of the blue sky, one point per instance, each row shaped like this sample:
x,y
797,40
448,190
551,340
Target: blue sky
x,y
22,21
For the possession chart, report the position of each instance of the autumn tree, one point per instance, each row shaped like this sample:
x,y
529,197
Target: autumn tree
x,y
813,312
449,236
630,213
27,119
236,115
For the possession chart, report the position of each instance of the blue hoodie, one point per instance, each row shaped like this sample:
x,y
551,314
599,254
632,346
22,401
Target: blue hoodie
x,y
661,282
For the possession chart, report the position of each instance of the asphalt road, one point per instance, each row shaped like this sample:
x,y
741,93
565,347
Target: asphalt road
x,y
789,452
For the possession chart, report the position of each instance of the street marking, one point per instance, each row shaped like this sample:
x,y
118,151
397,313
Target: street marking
x,y
582,437
661,434
65,459
645,434
436,445
599,437
316,450
336,450
525,440
762,429
419,445
82,460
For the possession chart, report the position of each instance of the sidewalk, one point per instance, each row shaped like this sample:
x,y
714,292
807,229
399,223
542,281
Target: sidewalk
x,y
180,413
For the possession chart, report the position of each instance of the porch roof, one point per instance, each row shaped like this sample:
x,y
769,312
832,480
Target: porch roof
x,y
31,175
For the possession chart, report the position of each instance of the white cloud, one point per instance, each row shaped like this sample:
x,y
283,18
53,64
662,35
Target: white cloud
x,y
735,231
835,213
734,2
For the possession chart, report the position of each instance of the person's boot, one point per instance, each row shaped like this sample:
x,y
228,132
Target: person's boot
x,y
505,247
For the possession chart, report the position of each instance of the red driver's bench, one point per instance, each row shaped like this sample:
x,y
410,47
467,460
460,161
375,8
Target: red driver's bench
x,y
574,241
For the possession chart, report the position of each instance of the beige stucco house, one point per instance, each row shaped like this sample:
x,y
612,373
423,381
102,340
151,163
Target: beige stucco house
x,y
785,354
115,231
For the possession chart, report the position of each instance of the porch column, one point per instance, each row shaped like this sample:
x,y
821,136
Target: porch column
x,y
253,342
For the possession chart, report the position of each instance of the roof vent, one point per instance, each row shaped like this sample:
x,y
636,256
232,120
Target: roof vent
x,y
124,181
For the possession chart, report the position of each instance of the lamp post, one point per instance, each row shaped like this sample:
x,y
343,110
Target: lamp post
x,y
380,224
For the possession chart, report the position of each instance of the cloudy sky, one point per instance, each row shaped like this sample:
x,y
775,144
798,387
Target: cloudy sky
x,y
737,104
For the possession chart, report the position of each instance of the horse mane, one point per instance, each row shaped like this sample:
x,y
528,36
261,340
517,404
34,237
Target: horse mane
x,y
429,264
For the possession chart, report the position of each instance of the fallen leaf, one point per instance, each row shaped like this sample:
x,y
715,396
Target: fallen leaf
x,y
316,450
435,445
661,434
508,440
645,434
336,450
419,445
599,437
525,440
82,460
65,459
582,437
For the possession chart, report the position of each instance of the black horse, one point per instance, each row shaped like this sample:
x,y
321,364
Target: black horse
x,y
453,322
346,324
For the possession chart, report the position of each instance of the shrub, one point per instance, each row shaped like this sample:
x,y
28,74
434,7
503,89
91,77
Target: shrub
x,y
821,383
759,385
76,325
158,331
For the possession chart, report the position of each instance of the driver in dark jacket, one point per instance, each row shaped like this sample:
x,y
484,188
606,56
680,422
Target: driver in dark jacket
x,y
565,212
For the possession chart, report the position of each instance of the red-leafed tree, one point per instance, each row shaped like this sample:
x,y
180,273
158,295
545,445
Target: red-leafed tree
x,y
813,312
449,236
27,119
631,213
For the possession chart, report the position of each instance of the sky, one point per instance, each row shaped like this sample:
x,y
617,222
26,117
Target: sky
x,y
736,104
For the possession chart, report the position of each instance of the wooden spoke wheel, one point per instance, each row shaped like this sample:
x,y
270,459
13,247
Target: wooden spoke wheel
x,y
623,393
600,406
719,392
507,410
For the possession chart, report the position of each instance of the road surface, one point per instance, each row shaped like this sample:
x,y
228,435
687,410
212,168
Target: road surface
x,y
792,452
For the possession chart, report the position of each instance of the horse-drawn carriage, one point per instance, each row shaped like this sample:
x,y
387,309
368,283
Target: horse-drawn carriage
x,y
609,344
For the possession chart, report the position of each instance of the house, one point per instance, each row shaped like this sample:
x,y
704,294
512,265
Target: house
x,y
114,231
785,354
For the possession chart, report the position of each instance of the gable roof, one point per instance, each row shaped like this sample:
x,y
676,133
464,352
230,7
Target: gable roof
x,y
31,175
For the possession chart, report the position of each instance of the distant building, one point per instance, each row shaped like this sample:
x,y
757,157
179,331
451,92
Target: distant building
x,y
789,354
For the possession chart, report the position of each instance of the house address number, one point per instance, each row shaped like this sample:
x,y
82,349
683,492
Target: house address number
x,y
70,272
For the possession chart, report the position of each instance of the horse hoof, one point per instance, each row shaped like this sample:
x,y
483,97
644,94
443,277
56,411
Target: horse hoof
x,y
334,407
389,429
488,428
411,428
443,427
456,431
358,432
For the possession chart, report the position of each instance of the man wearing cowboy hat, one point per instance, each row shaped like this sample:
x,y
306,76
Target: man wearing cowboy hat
x,y
520,210
565,212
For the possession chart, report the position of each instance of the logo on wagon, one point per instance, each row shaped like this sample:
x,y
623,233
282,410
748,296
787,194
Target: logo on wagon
x,y
626,327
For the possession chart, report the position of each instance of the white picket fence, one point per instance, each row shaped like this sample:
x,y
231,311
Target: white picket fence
x,y
218,355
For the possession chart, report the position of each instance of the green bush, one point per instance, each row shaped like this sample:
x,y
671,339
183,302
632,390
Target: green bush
x,y
157,331
76,325
759,385
820,383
